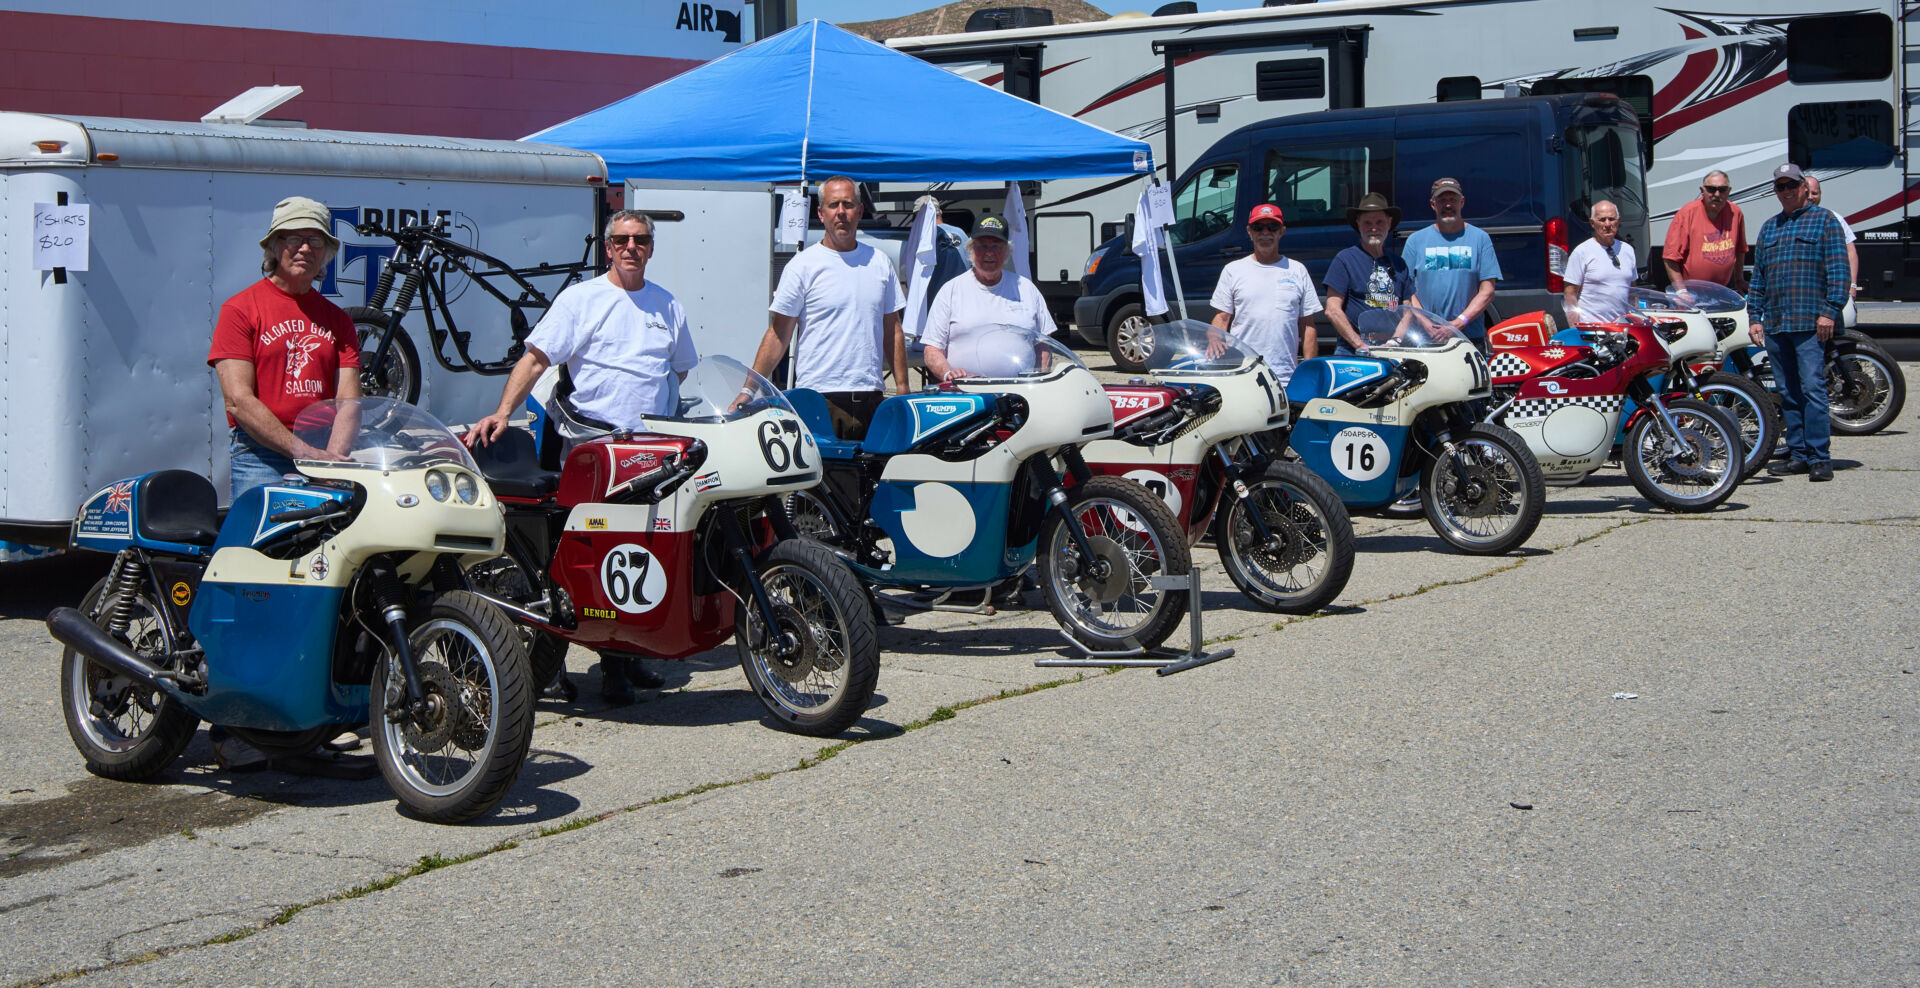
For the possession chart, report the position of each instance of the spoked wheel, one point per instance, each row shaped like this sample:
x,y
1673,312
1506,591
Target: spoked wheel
x,y
124,730
458,758
816,671
1752,410
1309,556
505,578
1865,391
1485,495
398,377
1108,602
1693,471
810,516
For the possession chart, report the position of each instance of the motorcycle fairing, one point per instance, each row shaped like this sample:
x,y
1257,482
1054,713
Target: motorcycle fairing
x,y
903,422
1332,377
158,510
1335,446
660,612
269,649
1512,365
946,529
249,522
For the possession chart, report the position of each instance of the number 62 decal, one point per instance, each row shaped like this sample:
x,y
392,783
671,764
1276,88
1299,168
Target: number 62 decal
x,y
782,445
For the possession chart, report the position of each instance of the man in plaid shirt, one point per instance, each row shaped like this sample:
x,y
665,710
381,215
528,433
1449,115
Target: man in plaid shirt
x,y
1799,286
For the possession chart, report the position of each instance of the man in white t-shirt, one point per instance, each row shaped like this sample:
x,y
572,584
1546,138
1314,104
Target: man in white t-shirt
x,y
986,297
1267,300
838,306
625,342
1600,269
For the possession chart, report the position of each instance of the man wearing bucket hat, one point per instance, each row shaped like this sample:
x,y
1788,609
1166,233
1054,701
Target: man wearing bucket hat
x,y
1366,275
1266,299
280,346
1799,286
987,297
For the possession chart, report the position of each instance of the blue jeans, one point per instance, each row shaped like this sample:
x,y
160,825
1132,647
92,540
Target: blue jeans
x,y
255,464
1800,371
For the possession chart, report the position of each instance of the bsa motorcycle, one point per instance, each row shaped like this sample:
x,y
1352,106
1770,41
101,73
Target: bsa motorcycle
x,y
1400,419
327,600
1197,436
957,490
1569,402
667,542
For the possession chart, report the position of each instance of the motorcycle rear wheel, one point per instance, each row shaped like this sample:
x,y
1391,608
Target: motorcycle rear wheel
x,y
459,761
123,730
1752,408
1133,530
1310,565
399,376
1492,509
824,686
1697,477
1865,390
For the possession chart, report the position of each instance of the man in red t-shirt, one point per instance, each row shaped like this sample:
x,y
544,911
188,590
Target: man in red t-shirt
x,y
280,346
1707,239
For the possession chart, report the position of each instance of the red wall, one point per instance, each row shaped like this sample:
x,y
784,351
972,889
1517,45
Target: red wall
x,y
94,66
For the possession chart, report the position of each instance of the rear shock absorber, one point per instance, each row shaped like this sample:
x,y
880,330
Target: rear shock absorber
x,y
123,583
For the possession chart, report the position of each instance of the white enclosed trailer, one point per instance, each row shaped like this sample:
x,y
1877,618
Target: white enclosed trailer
x,y
103,372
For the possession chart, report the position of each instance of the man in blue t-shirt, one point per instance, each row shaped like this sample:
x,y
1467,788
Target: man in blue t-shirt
x,y
1368,275
1454,267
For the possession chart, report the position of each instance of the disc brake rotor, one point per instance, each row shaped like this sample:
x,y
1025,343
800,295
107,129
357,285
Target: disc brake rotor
x,y
434,728
1470,490
795,667
1118,579
1688,460
1288,548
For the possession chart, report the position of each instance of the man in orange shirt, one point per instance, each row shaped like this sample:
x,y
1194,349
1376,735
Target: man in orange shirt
x,y
1707,240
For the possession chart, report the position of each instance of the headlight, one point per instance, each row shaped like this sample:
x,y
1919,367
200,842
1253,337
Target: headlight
x,y
437,485
465,486
1093,264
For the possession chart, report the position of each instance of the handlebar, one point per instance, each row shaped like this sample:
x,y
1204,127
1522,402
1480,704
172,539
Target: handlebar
x,y
309,514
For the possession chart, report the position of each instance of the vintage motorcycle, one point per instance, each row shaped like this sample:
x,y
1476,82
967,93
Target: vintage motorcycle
x,y
1400,418
1568,401
328,600
1197,436
958,489
1865,387
667,542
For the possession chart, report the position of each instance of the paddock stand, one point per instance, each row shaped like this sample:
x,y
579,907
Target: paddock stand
x,y
1164,661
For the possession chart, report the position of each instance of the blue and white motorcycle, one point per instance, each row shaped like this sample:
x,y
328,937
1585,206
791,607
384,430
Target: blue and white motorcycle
x,y
957,490
329,600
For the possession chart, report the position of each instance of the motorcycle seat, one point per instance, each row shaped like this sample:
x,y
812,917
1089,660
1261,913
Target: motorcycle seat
x,y
511,464
178,506
814,414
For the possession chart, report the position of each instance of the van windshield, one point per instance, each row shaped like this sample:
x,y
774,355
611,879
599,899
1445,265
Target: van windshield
x,y
1609,166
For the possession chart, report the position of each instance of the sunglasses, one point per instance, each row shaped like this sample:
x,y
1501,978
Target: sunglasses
x,y
1777,186
1716,190
636,239
1265,227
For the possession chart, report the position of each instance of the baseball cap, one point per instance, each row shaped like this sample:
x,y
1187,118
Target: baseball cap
x,y
1446,185
1790,172
1265,211
992,227
301,213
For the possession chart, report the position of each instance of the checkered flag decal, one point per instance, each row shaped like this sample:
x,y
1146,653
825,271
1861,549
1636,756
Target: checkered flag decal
x,y
1507,365
1539,408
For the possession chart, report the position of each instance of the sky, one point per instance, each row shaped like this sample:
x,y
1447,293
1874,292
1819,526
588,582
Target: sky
x,y
841,11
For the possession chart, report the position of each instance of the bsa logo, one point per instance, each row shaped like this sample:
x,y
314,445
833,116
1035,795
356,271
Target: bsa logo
x,y
706,17
181,594
1553,353
596,524
599,612
1554,387
1133,401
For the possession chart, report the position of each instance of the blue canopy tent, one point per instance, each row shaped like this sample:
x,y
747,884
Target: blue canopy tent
x,y
814,101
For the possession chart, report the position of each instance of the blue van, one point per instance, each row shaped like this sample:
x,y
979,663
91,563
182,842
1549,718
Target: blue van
x,y
1531,167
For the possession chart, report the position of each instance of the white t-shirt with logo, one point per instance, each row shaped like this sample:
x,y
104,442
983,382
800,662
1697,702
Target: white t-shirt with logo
x,y
841,299
1603,287
965,305
622,348
1267,302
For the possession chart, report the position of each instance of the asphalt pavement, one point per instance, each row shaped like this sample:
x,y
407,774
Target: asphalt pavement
x,y
1646,749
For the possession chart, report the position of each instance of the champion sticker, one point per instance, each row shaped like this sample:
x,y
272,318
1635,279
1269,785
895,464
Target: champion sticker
x,y
632,579
707,481
181,594
1359,454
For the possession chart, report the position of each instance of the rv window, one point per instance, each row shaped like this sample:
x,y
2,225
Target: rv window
x,y
1608,163
1457,87
1840,47
1317,184
1291,78
1851,134
1204,205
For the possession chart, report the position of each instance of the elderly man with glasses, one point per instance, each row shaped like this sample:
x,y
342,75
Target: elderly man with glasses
x,y
1599,270
1799,286
1707,239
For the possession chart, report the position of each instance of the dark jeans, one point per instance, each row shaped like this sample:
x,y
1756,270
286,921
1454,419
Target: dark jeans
x,y
1800,370
852,411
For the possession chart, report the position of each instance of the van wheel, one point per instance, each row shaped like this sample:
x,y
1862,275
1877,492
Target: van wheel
x,y
1130,338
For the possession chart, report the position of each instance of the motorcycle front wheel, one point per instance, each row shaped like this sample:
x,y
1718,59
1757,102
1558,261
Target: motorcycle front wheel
x,y
1310,556
1753,410
505,578
823,679
1694,472
1110,603
398,377
124,730
1865,390
458,758
1485,495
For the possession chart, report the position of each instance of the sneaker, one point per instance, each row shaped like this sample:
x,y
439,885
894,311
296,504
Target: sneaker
x,y
1820,472
1787,467
344,742
236,755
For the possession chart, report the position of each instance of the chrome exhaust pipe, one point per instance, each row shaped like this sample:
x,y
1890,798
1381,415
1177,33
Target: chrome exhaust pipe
x,y
72,629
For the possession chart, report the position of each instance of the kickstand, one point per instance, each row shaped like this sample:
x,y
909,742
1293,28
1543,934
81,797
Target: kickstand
x,y
1164,661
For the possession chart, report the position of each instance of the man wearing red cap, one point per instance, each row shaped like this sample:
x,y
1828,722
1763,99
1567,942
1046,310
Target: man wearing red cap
x,y
1267,300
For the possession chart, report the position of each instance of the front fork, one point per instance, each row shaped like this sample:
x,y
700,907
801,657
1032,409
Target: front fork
x,y
1233,474
1098,566
390,598
1644,394
740,548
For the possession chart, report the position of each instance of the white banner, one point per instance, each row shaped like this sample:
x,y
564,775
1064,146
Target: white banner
x,y
1018,243
1146,243
921,253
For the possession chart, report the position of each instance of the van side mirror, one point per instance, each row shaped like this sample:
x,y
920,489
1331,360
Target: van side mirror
x,y
1126,231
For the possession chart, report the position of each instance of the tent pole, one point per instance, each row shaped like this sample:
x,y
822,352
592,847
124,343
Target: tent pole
x,y
1179,294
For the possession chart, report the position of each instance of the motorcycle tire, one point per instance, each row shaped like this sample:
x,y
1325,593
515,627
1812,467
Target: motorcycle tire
x,y
124,731
1501,503
1314,558
505,578
1696,479
473,666
1138,536
400,377
1753,408
824,686
1865,389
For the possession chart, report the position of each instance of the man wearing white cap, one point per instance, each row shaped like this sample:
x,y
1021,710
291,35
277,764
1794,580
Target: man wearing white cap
x,y
280,346
1799,286
989,296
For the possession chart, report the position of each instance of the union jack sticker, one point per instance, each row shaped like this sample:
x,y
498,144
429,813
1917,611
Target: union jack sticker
x,y
663,524
120,498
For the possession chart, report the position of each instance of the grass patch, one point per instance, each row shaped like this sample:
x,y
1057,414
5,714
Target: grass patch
x,y
574,824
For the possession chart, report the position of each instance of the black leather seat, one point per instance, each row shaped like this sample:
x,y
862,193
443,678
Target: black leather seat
x,y
178,506
512,466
